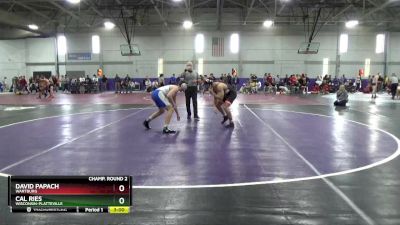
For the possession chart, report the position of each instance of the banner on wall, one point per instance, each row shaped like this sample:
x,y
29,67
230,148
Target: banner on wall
x,y
80,56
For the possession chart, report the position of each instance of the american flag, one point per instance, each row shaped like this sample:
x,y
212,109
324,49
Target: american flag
x,y
217,47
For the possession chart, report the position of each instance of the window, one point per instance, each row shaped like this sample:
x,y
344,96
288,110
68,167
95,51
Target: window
x,y
234,43
160,68
61,45
367,67
325,66
343,43
380,44
200,66
199,43
95,44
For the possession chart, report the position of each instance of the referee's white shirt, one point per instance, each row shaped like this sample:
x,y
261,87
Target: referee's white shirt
x,y
394,80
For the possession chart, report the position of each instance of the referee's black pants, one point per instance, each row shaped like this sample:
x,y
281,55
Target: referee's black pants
x,y
393,89
191,93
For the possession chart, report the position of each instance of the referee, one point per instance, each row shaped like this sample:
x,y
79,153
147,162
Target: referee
x,y
394,83
190,78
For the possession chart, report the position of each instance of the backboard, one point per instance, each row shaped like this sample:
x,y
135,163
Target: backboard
x,y
308,48
130,50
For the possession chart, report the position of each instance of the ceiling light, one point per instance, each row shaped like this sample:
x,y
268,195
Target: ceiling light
x,y
351,23
268,23
109,25
187,24
33,26
74,1
176,0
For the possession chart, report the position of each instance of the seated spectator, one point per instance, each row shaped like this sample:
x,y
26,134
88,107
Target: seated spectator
x,y
335,84
154,85
303,84
253,87
315,89
253,78
172,80
269,84
325,88
23,85
277,82
341,96
34,86
246,88
147,84
293,84
319,80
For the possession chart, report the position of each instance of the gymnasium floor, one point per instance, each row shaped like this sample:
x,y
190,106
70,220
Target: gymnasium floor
x,y
289,160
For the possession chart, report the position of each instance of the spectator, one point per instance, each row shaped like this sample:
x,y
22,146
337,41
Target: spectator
x,y
104,82
117,84
172,80
154,85
55,84
286,80
224,78
374,85
212,78
23,84
95,83
293,84
235,80
358,83
253,78
319,80
343,80
206,84
88,84
341,96
126,85
269,84
33,85
303,84
394,84
147,84
229,79
5,87
161,81
335,84
315,89
381,83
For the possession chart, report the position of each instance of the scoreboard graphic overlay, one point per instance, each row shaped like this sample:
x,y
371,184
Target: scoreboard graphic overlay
x,y
76,194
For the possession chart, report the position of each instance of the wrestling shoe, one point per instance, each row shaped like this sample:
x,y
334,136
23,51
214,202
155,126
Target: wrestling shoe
x,y
230,125
146,124
224,120
168,131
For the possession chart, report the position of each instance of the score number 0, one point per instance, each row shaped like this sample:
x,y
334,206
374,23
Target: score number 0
x,y
121,200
